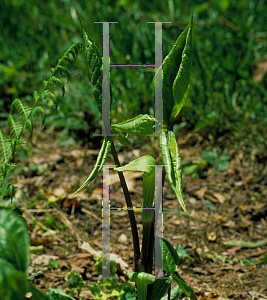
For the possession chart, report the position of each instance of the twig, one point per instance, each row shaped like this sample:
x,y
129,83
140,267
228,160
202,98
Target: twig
x,y
40,210
90,214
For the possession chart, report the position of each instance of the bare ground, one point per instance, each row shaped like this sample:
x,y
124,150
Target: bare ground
x,y
229,205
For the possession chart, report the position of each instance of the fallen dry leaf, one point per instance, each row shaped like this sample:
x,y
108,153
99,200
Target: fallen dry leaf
x,y
219,196
201,192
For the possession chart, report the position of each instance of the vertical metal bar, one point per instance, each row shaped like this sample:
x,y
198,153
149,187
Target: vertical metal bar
x,y
158,226
106,224
105,80
158,77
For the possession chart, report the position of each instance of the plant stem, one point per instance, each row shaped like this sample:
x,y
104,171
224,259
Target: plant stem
x,y
130,211
147,247
148,242
169,293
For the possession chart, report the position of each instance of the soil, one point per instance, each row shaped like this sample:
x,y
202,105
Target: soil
x,y
225,206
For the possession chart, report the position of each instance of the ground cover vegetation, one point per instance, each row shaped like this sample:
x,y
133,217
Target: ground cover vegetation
x,y
218,104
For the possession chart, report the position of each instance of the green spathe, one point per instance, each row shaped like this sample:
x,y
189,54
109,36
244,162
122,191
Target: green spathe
x,y
141,279
146,164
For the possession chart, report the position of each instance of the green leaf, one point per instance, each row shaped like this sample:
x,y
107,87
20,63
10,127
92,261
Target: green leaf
x,y
184,287
58,294
109,283
14,239
126,292
101,159
223,165
159,288
176,75
112,265
53,264
74,280
224,156
123,140
13,283
140,125
219,162
174,294
144,163
170,258
182,80
182,253
95,289
173,164
210,156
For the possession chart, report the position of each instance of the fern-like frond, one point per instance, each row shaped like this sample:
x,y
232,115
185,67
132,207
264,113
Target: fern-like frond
x,y
36,97
5,148
80,46
75,48
17,128
14,126
23,110
50,96
11,190
45,83
58,83
14,144
64,72
68,59
95,66
96,72
38,110
73,51
29,125
5,171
